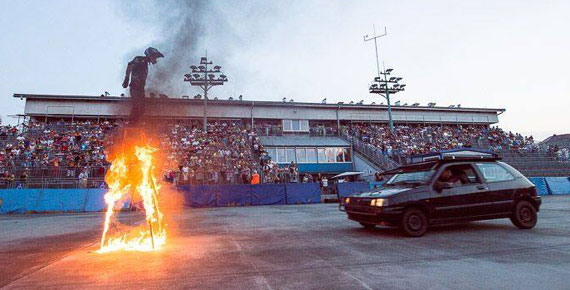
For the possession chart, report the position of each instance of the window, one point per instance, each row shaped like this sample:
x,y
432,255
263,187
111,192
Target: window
x,y
272,152
339,155
301,155
331,154
347,155
281,155
312,155
411,177
295,125
304,125
459,175
494,172
290,155
322,156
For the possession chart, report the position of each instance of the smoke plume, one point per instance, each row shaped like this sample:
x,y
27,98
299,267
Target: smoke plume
x,y
179,26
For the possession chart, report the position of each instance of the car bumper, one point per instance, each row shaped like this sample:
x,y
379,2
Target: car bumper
x,y
374,215
538,202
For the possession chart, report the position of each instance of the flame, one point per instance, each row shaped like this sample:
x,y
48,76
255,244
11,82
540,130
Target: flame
x,y
128,172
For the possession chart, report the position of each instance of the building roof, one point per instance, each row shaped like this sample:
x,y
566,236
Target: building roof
x,y
557,138
250,103
300,141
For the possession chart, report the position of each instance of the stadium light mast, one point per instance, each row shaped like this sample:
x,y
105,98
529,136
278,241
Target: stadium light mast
x,y
205,77
384,87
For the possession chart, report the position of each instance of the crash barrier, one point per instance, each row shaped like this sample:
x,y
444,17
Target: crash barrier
x,y
53,200
92,200
540,183
303,193
345,189
243,194
558,185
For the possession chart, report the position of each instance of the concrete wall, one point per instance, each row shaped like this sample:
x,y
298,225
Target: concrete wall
x,y
363,165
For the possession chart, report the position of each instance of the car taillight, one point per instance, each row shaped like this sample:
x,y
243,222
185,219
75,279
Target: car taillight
x,y
533,191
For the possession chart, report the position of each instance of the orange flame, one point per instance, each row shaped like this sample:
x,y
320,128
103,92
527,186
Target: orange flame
x,y
127,173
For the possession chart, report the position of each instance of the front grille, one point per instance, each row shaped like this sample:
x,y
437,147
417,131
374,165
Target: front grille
x,y
362,217
362,209
362,202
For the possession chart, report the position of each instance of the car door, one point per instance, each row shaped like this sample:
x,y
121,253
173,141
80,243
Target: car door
x,y
499,198
460,201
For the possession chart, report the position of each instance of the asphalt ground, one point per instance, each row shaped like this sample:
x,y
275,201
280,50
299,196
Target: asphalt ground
x,y
288,247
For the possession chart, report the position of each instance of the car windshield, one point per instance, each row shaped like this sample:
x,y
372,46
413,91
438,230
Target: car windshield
x,y
414,178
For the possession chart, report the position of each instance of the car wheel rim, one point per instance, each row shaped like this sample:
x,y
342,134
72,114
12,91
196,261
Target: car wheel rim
x,y
526,215
414,222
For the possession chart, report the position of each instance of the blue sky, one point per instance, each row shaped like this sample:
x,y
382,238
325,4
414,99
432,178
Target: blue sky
x,y
507,54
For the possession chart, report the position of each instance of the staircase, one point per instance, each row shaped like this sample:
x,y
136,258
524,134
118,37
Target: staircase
x,y
372,154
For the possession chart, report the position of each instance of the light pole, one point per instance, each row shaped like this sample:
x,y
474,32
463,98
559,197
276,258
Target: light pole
x,y
384,87
205,78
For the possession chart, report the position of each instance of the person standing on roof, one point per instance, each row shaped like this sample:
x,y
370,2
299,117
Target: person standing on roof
x,y
137,70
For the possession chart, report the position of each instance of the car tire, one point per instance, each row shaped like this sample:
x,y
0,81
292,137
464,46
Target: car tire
x,y
524,215
368,226
414,222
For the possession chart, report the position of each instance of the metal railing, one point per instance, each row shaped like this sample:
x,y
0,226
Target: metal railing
x,y
374,154
51,183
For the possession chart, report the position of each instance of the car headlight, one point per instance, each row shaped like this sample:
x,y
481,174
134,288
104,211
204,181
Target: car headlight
x,y
347,200
379,202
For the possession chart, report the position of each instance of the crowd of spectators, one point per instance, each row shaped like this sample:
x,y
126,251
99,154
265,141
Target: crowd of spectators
x,y
226,153
275,174
58,149
420,139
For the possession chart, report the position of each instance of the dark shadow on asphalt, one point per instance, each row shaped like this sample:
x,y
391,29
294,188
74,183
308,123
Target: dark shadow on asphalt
x,y
461,227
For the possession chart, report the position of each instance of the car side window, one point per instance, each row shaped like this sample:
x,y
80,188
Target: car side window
x,y
494,172
458,175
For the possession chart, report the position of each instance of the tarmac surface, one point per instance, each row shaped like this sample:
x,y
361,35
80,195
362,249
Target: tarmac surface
x,y
288,247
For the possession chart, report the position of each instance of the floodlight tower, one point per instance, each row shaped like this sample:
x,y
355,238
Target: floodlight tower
x,y
205,78
384,87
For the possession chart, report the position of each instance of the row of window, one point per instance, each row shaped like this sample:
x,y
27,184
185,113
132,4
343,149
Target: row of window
x,y
310,155
296,125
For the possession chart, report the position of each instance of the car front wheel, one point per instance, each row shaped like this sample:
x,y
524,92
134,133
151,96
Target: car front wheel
x,y
414,222
524,215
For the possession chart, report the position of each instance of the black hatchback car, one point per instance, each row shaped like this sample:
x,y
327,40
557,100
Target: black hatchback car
x,y
447,188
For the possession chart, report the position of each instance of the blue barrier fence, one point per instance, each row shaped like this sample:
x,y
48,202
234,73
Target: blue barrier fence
x,y
558,185
540,183
53,200
259,194
91,200
349,188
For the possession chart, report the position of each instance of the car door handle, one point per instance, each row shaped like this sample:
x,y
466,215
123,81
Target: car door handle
x,y
481,187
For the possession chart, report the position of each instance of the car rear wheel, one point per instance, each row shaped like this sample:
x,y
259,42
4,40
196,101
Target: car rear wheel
x,y
414,222
524,215
368,226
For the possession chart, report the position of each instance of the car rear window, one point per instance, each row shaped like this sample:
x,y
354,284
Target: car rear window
x,y
493,172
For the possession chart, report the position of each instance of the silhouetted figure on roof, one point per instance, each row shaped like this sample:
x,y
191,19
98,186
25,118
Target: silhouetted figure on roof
x,y
137,70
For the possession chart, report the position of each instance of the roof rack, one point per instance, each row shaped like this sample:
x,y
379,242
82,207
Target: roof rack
x,y
455,154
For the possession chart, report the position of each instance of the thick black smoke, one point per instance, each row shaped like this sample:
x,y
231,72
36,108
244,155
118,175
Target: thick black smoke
x,y
180,28
185,29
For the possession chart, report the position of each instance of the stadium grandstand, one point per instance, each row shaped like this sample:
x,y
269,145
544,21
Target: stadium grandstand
x,y
60,141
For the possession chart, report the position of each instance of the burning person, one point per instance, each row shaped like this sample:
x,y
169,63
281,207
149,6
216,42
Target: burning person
x,y
137,70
